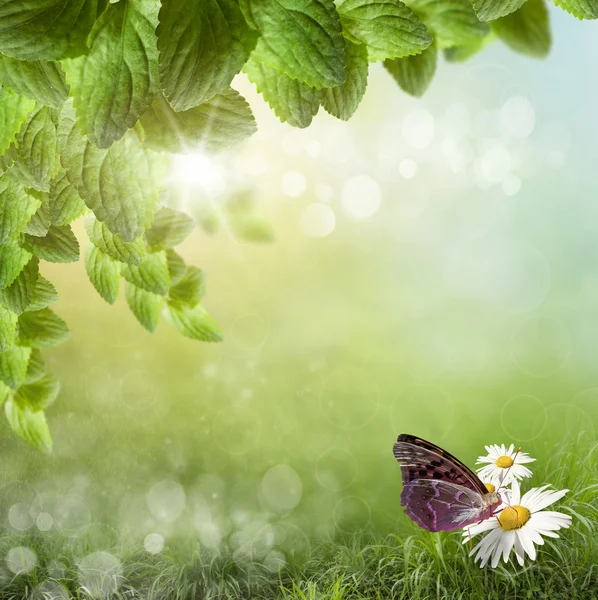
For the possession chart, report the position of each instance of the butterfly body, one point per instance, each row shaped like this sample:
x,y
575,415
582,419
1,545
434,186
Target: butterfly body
x,y
440,493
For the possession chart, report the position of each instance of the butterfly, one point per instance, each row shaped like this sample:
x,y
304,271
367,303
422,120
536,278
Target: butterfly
x,y
440,493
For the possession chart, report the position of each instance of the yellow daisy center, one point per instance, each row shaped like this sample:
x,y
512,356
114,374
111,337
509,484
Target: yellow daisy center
x,y
513,517
504,462
490,487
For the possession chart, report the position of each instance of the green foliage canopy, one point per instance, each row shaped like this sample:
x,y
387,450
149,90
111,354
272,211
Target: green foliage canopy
x,y
94,95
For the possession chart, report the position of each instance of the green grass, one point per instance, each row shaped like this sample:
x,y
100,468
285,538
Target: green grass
x,y
409,566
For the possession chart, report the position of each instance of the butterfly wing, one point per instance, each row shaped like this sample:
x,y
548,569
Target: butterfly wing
x,y
420,459
439,505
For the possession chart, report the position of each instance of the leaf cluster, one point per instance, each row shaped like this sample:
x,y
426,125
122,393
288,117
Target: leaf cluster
x,y
94,96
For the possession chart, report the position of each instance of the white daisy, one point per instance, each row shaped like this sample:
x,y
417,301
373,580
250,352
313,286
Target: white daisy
x,y
505,464
520,525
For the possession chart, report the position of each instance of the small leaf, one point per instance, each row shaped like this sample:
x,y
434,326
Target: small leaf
x,y
488,10
194,323
300,38
249,228
8,328
452,22
42,81
190,289
113,83
39,394
414,73
19,294
112,244
13,113
342,101
41,329
36,150
293,101
64,203
36,367
580,9
13,365
59,245
462,53
29,425
46,29
169,228
224,120
144,305
387,27
151,275
4,391
12,260
16,209
40,222
43,296
203,44
120,184
526,31
176,266
103,272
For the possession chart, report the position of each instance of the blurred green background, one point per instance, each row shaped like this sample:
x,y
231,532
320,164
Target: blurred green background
x,y
434,272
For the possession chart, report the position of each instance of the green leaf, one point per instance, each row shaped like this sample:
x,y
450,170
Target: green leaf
x,y
12,260
224,120
41,328
40,222
44,295
203,44
46,29
580,9
103,272
112,244
29,425
119,183
176,266
42,81
8,328
18,295
250,228
414,73
115,81
169,228
7,160
190,289
488,10
300,38
36,367
194,323
453,22
342,101
13,365
37,159
64,203
13,113
151,275
39,394
387,27
59,245
144,305
16,209
466,51
292,101
4,391
526,31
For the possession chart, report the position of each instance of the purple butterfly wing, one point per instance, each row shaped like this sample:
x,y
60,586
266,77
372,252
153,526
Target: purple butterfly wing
x,y
441,505
420,459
